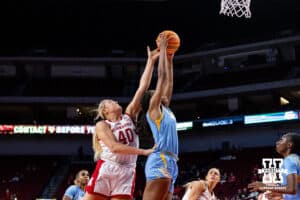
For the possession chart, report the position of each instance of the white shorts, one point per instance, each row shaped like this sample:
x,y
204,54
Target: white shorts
x,y
112,180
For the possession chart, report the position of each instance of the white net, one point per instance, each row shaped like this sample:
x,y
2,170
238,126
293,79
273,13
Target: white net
x,y
238,8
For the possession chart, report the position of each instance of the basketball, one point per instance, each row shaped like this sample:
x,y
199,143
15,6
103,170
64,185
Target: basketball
x,y
173,42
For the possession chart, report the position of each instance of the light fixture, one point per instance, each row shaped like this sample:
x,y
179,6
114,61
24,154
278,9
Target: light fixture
x,y
283,101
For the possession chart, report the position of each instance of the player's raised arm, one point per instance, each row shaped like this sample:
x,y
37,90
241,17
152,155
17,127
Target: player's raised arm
x,y
173,45
154,105
168,84
134,106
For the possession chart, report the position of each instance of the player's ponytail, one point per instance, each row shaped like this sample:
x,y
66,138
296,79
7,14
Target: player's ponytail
x,y
100,109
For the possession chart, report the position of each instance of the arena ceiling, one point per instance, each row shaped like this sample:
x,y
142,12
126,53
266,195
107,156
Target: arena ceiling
x,y
124,27
95,28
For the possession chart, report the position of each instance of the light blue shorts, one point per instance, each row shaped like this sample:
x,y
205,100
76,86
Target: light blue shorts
x,y
160,165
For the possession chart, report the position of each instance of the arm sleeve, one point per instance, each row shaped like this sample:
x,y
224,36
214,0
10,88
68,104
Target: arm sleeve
x,y
70,192
290,166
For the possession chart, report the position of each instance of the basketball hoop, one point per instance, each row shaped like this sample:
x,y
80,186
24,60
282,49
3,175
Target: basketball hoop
x,y
238,8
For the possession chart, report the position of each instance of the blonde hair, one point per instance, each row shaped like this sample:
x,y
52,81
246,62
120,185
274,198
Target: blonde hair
x,y
214,168
100,109
96,147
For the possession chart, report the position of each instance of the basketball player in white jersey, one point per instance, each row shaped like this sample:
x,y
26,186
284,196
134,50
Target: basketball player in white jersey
x,y
116,143
203,190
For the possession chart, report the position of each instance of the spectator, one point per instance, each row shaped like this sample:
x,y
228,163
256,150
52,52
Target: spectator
x,y
76,191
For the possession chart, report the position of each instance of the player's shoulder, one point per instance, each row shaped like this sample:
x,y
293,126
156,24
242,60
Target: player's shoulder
x,y
101,127
165,108
127,116
72,188
292,158
101,124
198,184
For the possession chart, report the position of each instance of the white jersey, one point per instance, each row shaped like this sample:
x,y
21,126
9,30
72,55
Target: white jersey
x,y
124,132
206,195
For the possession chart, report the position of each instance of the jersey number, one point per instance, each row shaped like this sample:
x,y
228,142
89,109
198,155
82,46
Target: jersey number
x,y
126,137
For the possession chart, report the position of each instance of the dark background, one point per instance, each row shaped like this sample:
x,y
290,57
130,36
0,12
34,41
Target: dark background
x,y
95,28
38,33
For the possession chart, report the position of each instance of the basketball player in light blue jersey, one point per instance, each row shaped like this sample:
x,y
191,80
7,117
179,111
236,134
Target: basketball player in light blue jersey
x,y
161,167
76,191
289,147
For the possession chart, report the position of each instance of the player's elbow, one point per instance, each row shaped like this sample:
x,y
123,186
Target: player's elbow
x,y
292,191
66,198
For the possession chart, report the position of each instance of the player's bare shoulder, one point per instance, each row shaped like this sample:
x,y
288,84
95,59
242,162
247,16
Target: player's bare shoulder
x,y
198,185
101,125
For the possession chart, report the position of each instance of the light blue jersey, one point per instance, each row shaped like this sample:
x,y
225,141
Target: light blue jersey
x,y
74,192
291,163
163,162
164,131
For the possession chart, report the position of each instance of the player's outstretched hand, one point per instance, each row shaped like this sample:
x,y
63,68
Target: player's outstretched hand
x,y
152,55
149,151
256,186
